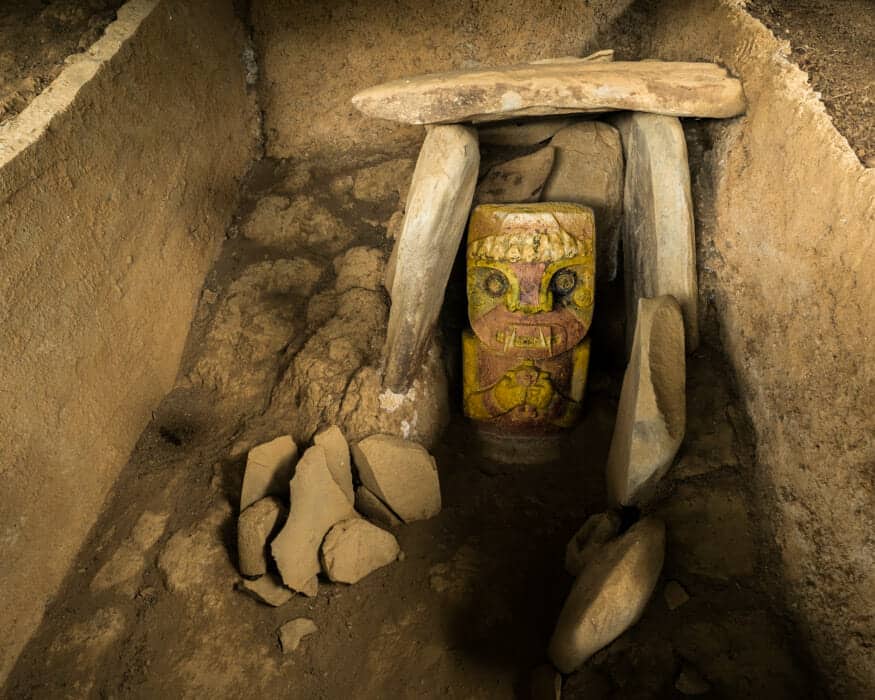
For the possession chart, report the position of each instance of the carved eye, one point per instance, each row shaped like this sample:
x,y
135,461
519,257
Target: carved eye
x,y
564,282
495,284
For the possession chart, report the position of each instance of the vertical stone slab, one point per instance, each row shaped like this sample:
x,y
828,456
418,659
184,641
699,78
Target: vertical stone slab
x,y
438,202
659,244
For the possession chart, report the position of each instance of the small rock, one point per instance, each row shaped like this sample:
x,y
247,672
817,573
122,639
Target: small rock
x,y
268,470
360,267
194,559
546,683
377,183
317,503
587,542
374,509
674,595
321,308
402,474
522,133
255,526
354,548
651,417
609,596
292,632
267,590
393,224
517,180
289,223
337,457
690,682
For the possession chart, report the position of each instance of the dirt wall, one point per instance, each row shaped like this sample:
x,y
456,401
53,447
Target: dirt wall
x,y
786,252
116,185
315,56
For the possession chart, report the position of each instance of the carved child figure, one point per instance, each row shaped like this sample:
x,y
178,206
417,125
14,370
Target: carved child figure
x,y
531,270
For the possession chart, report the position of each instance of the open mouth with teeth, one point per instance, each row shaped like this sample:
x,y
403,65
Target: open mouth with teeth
x,y
531,337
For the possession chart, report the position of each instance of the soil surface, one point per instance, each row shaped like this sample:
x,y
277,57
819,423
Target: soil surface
x,y
834,42
151,607
35,38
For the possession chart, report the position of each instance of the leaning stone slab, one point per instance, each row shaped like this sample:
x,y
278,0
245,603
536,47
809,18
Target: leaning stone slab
x,y
659,241
267,590
254,528
517,180
402,474
438,202
337,457
588,170
317,503
541,89
374,509
355,548
588,540
268,470
651,416
609,596
524,132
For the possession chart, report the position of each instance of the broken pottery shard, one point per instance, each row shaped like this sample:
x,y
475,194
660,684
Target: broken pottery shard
x,y
517,180
522,133
337,456
354,548
588,169
317,503
267,590
609,595
659,243
294,631
374,509
402,474
268,470
588,540
651,417
673,88
254,528
437,208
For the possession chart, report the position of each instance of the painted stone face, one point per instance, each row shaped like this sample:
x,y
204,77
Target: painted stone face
x,y
531,270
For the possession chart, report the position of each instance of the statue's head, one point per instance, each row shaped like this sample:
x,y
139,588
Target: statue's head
x,y
531,271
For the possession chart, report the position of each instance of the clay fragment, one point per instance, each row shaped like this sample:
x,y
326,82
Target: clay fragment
x,y
609,596
588,540
354,548
292,632
438,201
374,509
266,589
268,470
402,474
254,527
337,457
651,417
517,180
540,89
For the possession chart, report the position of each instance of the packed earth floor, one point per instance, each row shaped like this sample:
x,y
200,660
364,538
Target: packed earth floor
x,y
152,609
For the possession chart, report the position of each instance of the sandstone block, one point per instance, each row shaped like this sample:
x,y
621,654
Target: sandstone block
x,y
337,457
517,180
437,208
268,470
267,589
659,242
540,89
609,596
522,133
651,417
354,548
587,542
374,509
402,474
255,526
317,503
292,632
588,169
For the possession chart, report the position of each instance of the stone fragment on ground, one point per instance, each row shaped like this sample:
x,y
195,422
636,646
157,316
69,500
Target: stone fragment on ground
x,y
354,548
528,132
690,682
609,596
268,470
651,416
266,589
317,503
438,202
391,178
588,170
402,474
659,242
675,595
255,526
195,558
588,540
546,683
293,632
337,457
548,88
374,509
517,180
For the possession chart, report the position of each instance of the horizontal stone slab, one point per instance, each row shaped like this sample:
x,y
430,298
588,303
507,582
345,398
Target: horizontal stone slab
x,y
541,89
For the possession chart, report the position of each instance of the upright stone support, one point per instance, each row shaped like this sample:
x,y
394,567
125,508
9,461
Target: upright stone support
x,y
659,244
438,203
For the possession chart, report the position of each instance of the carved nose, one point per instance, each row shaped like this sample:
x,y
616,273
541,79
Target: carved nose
x,y
530,296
